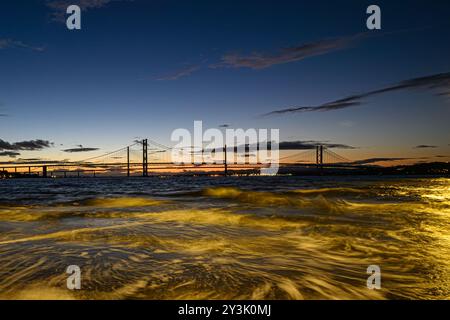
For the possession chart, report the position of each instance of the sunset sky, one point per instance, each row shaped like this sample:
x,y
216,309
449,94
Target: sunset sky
x,y
140,69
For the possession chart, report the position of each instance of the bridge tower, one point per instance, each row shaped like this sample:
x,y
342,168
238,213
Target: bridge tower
x,y
319,156
225,161
144,158
128,162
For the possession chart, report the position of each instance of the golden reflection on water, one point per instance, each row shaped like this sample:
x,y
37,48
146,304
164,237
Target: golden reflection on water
x,y
229,243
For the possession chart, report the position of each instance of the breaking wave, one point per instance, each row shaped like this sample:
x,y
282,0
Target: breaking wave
x,y
231,242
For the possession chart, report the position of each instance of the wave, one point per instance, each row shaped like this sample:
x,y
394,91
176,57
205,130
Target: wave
x,y
265,198
115,207
330,191
122,202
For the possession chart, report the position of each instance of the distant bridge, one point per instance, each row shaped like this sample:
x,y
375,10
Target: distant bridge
x,y
142,157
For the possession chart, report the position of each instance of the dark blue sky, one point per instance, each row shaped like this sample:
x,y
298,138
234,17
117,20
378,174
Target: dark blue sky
x,y
144,68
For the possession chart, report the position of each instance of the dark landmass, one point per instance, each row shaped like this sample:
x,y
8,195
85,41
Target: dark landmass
x,y
432,168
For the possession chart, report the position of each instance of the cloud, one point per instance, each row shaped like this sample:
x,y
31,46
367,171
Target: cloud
x,y
29,159
285,145
59,7
30,145
424,146
347,124
2,114
9,43
440,81
264,60
83,4
375,160
8,149
11,154
311,144
80,149
180,73
35,161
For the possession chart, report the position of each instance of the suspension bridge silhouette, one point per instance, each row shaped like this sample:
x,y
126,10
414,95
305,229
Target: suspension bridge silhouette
x,y
148,157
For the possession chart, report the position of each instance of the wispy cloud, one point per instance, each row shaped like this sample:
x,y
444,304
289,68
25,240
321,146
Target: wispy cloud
x,y
260,60
186,71
2,114
440,81
389,159
311,144
375,160
8,149
29,159
284,145
83,4
80,149
11,154
29,145
347,124
10,43
35,161
59,7
424,146
265,60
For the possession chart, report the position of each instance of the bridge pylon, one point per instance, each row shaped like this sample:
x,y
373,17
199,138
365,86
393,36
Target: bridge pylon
x,y
128,161
319,156
144,158
225,161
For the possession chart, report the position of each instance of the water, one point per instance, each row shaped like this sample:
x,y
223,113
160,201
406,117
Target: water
x,y
233,238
